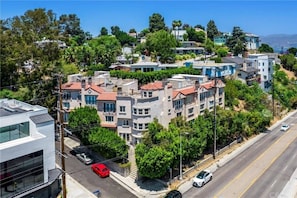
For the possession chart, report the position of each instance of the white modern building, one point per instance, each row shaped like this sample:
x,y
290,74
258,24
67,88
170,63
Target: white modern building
x,y
27,151
264,65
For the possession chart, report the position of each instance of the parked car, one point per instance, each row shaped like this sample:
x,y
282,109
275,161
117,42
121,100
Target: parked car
x,y
202,178
100,169
173,194
85,158
285,127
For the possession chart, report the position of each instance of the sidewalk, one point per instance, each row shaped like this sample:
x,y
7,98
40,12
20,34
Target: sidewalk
x,y
76,190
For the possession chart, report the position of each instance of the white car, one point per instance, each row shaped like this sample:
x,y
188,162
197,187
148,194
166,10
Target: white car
x,y
86,159
202,178
285,127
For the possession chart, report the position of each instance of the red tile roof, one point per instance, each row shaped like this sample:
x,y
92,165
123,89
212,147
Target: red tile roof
x,y
158,85
72,86
95,88
185,91
210,84
107,96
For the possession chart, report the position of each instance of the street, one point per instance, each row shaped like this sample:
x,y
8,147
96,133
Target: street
x,y
260,171
86,177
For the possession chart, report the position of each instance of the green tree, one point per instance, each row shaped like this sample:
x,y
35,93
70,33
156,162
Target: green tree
x,y
162,43
154,163
156,22
103,31
222,51
82,120
193,35
293,50
212,30
106,49
265,48
237,43
107,143
132,30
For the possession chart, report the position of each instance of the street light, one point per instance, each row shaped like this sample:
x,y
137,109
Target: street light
x,y
181,156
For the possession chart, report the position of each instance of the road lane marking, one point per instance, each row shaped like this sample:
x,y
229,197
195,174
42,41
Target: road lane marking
x,y
268,166
273,183
251,164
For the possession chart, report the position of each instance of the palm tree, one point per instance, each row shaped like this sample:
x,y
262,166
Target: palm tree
x,y
176,24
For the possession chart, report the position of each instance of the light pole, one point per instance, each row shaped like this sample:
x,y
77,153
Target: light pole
x,y
215,116
180,158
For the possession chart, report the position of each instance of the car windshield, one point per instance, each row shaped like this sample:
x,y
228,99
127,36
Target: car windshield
x,y
201,175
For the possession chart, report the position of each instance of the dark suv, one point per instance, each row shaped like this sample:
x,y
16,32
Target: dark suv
x,y
174,194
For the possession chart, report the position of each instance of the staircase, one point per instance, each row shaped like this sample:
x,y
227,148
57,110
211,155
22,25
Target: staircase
x,y
131,157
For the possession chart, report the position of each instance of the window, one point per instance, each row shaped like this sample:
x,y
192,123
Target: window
x,y
66,105
146,125
122,109
14,132
140,111
109,107
191,110
150,94
169,111
202,106
140,126
211,103
125,122
66,95
265,77
135,125
135,111
145,94
21,174
221,91
146,111
109,118
169,98
90,100
178,104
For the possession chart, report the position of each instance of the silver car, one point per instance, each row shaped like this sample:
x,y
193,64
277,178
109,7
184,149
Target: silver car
x,y
285,127
85,158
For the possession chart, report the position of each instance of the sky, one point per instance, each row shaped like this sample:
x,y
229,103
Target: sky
x,y
258,17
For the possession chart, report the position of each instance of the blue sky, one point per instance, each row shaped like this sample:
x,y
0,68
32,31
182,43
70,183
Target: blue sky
x,y
258,17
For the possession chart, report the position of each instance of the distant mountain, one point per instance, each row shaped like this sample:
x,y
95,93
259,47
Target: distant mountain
x,y
280,41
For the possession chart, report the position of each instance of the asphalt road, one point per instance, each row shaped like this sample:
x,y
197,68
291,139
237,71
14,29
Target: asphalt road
x,y
85,176
260,171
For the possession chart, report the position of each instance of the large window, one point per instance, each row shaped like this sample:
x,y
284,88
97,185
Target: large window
x,y
90,100
21,173
13,132
109,107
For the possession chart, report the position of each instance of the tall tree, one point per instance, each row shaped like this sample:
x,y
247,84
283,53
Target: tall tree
x,y
176,24
237,42
162,43
193,35
156,22
103,31
212,30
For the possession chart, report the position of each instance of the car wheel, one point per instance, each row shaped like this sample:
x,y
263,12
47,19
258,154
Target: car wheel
x,y
210,178
194,184
202,184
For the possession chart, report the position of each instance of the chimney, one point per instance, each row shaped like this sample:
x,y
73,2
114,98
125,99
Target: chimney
x,y
83,83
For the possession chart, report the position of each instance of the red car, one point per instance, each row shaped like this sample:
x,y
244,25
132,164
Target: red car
x,y
100,169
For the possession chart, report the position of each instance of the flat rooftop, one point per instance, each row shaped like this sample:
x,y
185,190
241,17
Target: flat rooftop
x,y
12,107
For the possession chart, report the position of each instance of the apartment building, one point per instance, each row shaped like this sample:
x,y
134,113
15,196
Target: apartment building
x,y
27,150
128,109
264,65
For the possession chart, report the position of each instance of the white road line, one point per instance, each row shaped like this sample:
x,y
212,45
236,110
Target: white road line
x,y
273,183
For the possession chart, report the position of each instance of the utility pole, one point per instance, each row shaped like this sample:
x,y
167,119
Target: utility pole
x,y
180,158
61,122
215,116
273,113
